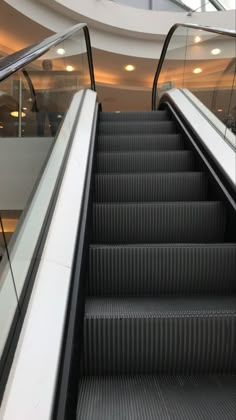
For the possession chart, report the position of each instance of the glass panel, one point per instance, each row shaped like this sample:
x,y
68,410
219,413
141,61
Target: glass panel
x,y
33,103
206,69
55,77
230,134
8,299
172,73
209,70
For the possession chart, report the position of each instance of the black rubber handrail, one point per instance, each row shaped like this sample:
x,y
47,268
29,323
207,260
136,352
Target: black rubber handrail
x,y
17,61
219,31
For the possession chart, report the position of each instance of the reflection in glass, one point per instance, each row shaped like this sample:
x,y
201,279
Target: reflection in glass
x,y
172,73
207,70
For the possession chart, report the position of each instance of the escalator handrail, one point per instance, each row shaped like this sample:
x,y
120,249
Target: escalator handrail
x,y
219,31
18,60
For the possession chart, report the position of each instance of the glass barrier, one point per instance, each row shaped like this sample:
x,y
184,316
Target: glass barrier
x,y
203,63
33,103
230,133
173,68
9,309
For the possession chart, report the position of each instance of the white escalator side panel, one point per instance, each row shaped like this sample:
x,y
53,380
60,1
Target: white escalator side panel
x,y
221,149
31,385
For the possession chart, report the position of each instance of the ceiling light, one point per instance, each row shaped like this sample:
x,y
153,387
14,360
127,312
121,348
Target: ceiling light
x,y
197,70
197,39
69,68
1,126
61,51
129,67
16,114
219,110
215,51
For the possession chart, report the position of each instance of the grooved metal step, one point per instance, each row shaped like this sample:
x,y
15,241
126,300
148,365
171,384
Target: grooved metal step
x,y
152,270
137,127
134,116
158,222
187,186
157,398
163,161
132,142
175,335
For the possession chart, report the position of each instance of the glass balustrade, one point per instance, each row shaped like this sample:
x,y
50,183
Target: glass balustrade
x,y
34,101
9,308
202,64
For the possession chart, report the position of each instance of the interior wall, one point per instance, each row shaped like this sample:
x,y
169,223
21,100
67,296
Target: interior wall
x,y
21,160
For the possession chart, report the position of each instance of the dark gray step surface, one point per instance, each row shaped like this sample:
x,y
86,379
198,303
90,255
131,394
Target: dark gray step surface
x,y
162,161
132,142
174,186
179,222
152,270
174,335
136,127
157,398
134,116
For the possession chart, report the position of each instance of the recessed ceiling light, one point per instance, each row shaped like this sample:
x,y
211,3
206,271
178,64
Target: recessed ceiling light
x,y
61,51
197,39
129,67
197,70
69,68
16,114
215,51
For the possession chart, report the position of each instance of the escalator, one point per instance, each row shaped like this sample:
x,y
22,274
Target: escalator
x,y
159,323
129,249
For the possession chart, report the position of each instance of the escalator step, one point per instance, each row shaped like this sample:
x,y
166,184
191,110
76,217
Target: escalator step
x,y
174,335
151,187
134,142
137,127
134,116
163,161
178,222
151,270
157,398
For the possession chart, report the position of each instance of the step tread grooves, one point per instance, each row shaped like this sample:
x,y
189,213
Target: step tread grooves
x,y
134,116
139,307
151,270
174,186
162,161
157,398
136,127
167,222
132,142
159,335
